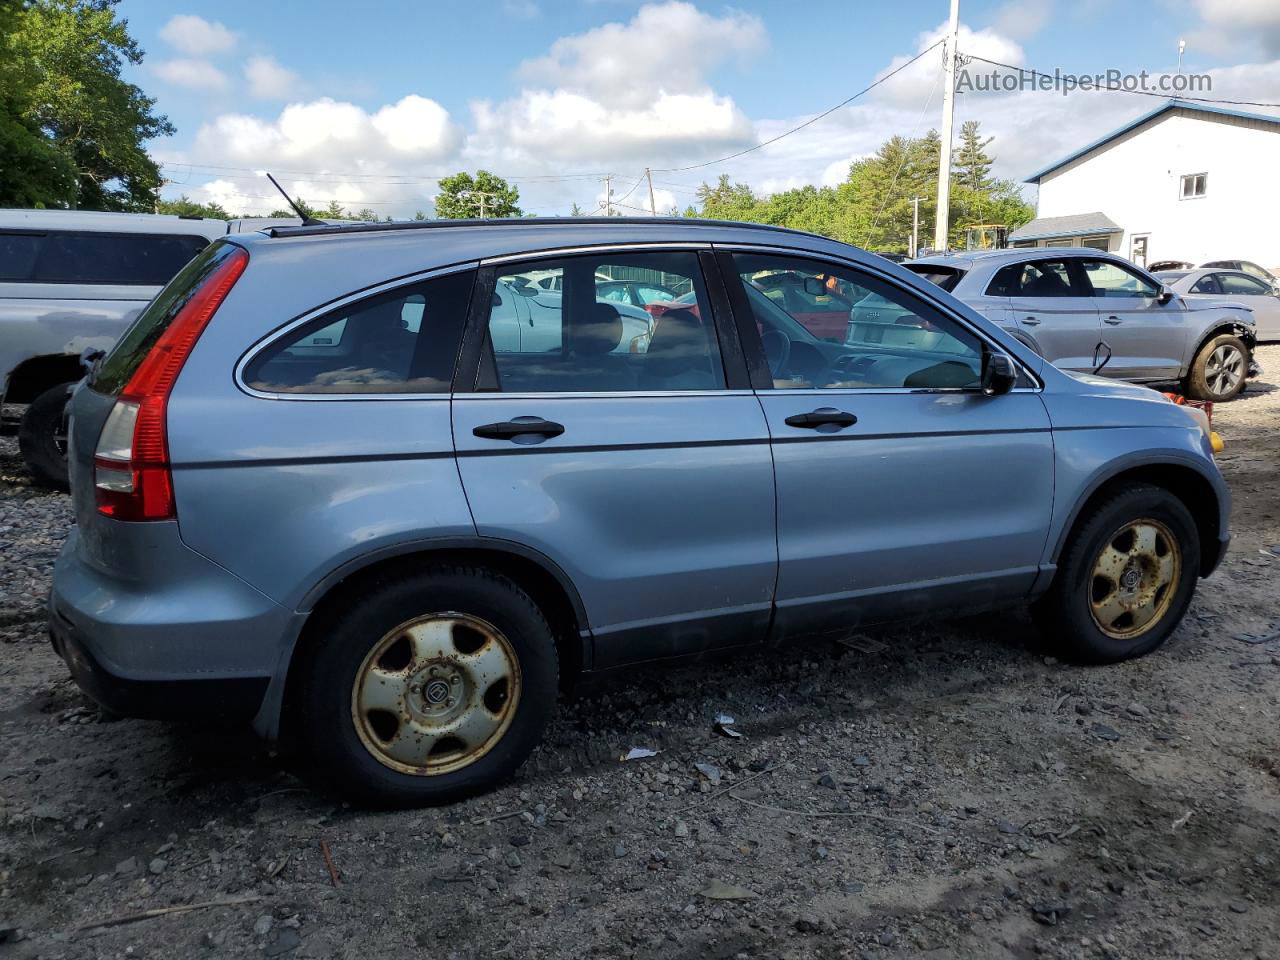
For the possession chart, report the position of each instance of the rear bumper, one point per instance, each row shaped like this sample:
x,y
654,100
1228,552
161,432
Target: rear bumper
x,y
227,699
162,632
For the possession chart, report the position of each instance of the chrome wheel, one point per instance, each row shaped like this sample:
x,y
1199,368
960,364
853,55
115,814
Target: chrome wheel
x,y
1135,577
1224,369
436,693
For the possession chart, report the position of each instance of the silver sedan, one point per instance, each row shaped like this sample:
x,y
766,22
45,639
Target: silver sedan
x,y
1234,285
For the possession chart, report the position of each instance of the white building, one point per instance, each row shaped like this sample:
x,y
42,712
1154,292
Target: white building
x,y
1183,182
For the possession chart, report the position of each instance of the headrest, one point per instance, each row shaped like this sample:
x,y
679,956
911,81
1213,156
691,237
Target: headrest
x,y
596,333
679,340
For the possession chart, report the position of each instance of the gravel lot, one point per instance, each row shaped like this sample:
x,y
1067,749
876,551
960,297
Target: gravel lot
x,y
946,791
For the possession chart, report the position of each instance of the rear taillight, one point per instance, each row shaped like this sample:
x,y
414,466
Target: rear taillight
x,y
132,478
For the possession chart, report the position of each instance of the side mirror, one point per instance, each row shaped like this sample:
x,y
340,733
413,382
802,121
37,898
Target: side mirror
x,y
998,374
1166,294
814,287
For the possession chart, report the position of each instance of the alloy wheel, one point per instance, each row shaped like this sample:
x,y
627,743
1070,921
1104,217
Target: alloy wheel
x,y
1224,369
436,693
1135,577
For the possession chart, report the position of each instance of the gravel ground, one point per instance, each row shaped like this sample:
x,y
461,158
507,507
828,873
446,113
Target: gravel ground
x,y
944,791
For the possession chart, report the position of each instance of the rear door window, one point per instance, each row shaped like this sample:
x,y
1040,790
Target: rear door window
x,y
67,256
577,338
1038,278
401,341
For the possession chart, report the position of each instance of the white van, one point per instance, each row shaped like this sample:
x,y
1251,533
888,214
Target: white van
x,y
72,281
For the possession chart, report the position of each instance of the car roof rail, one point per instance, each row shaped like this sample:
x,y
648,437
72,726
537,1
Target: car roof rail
x,y
338,229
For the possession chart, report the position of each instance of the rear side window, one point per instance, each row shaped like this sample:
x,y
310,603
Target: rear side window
x,y
67,256
402,341
131,349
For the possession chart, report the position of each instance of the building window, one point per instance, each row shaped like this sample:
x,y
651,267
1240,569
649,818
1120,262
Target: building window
x,y
1193,185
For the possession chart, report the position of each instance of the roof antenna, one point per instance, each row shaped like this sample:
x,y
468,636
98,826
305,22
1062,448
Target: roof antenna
x,y
307,219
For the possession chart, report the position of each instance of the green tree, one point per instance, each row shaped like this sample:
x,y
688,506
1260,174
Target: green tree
x,y
972,166
419,215
728,200
79,101
33,172
184,206
575,211
460,197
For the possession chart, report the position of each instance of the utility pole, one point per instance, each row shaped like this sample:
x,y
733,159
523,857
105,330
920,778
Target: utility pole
x,y
608,195
915,226
653,207
482,197
941,222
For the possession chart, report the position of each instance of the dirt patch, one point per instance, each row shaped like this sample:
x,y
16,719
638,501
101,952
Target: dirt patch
x,y
953,795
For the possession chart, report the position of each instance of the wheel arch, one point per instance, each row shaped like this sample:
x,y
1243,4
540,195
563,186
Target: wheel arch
x,y
544,580
1231,325
34,375
1196,491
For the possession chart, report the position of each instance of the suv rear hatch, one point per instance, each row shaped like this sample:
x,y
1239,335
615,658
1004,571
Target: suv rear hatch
x,y
118,444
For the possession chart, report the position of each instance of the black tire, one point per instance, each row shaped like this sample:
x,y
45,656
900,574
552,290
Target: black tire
x,y
42,437
325,724
1065,613
1203,383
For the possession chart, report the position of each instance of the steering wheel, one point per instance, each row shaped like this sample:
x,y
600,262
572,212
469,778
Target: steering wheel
x,y
777,351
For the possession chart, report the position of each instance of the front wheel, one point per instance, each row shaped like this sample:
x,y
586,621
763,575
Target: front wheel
x,y
430,687
1219,370
1125,579
42,437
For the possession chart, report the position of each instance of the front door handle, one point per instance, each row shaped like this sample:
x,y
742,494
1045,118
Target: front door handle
x,y
822,417
1031,320
519,427
1113,321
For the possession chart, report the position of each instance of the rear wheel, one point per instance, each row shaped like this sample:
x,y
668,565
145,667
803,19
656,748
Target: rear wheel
x,y
1219,370
431,687
42,437
1125,579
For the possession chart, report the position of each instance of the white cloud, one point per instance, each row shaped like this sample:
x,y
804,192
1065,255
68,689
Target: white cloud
x,y
324,150
621,92
193,75
268,80
196,35
1229,22
915,83
665,46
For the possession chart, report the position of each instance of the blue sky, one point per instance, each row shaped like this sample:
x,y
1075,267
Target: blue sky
x,y
365,107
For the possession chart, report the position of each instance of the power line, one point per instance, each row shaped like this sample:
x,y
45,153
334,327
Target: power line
x,y
1163,95
809,122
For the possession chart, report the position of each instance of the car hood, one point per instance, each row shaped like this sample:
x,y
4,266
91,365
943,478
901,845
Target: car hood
x,y
1208,301
1100,386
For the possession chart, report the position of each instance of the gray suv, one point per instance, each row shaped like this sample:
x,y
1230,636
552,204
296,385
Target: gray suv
x,y
319,485
1065,302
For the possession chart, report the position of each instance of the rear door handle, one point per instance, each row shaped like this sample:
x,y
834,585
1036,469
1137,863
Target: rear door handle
x,y
1113,321
1031,320
823,416
520,426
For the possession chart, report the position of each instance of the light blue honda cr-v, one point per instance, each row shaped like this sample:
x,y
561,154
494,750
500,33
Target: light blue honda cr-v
x,y
332,481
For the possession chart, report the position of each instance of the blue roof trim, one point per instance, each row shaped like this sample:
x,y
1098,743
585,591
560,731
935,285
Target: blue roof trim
x,y
1149,115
